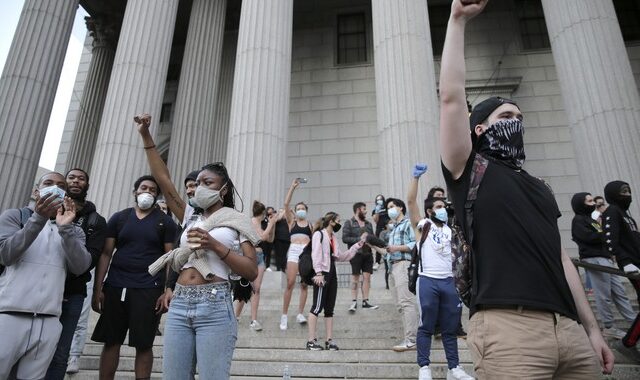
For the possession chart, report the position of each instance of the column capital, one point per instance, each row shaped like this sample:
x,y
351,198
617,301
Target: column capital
x,y
104,31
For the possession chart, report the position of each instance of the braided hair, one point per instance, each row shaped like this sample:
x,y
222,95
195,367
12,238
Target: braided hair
x,y
219,169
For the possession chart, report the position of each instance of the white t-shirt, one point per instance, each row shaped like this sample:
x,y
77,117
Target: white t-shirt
x,y
229,237
436,257
188,213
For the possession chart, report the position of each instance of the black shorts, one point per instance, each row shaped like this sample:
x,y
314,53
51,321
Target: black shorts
x,y
136,314
361,263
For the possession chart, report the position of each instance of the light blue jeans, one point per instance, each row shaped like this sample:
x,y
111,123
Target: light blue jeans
x,y
200,325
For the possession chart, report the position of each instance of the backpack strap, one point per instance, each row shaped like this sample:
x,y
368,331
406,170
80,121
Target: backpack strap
x,y
477,173
423,237
25,214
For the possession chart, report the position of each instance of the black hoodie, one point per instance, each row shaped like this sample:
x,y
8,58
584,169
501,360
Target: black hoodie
x,y
622,238
95,237
585,231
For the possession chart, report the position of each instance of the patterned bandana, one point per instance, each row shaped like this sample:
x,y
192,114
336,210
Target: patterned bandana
x,y
503,141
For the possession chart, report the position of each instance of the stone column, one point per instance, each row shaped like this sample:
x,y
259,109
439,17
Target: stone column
x,y
195,103
83,143
137,85
223,98
599,91
260,103
27,90
406,99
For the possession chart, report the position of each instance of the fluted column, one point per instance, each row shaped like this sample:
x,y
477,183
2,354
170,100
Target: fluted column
x,y
223,98
260,103
85,133
599,91
27,90
195,103
406,99
137,85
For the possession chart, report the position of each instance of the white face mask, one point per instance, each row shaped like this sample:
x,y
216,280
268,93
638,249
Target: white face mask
x,y
205,197
393,213
301,214
595,215
145,201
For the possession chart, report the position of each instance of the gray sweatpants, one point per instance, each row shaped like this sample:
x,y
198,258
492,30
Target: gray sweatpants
x,y
28,345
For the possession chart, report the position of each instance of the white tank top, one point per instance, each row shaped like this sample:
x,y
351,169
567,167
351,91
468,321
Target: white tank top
x,y
437,260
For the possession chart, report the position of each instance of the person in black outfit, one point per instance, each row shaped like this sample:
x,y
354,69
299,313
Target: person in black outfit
x,y
75,287
524,285
267,247
281,242
622,240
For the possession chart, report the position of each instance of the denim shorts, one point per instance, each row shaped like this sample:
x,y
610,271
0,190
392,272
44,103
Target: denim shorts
x,y
260,258
200,325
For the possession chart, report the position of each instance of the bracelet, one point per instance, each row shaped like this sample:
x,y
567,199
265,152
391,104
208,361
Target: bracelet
x,y
227,254
150,146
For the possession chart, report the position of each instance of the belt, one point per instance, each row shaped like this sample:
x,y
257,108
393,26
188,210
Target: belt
x,y
27,314
199,291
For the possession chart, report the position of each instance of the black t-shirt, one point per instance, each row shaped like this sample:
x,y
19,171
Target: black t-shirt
x,y
516,243
282,230
139,243
383,219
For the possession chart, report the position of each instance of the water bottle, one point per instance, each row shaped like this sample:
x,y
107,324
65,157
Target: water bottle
x,y
286,374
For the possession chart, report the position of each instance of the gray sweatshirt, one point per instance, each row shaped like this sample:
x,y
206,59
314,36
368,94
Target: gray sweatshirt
x,y
37,258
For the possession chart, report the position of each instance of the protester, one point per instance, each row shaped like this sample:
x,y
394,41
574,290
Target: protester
x,y
381,219
267,247
75,296
39,245
200,325
362,262
525,287
127,298
300,235
325,251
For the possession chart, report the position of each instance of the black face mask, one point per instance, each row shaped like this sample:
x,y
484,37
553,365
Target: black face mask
x,y
590,208
337,227
504,142
624,201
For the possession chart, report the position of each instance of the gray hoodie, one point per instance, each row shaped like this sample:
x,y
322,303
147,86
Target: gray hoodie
x,y
37,258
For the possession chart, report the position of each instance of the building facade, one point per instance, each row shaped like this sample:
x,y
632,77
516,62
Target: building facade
x,y
341,92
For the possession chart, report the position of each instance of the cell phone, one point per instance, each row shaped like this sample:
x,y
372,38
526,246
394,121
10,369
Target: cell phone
x,y
55,190
301,180
137,119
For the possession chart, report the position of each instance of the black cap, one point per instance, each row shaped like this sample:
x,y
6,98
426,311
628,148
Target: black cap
x,y
482,111
191,176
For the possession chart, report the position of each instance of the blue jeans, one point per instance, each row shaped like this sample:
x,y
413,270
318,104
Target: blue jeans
x,y
200,325
438,302
71,309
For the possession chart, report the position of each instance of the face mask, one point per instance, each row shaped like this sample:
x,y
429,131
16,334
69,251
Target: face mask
x,y
301,214
206,197
595,215
379,202
504,142
624,201
192,202
337,227
393,213
441,215
145,200
589,208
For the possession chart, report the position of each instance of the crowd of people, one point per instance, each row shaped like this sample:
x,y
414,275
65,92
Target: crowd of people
x,y
529,316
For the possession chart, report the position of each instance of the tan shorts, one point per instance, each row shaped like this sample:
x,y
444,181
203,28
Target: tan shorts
x,y
527,344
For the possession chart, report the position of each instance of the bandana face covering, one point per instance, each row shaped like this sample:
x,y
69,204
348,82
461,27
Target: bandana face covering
x,y
504,142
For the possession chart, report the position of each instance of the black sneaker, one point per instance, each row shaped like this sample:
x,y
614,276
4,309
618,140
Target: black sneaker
x,y
330,345
313,345
461,333
367,305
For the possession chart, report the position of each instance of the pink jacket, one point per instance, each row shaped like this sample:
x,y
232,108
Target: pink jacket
x,y
320,252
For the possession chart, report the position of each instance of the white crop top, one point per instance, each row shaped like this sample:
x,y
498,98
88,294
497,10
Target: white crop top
x,y
229,237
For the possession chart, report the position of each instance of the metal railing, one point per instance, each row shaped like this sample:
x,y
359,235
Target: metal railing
x,y
579,263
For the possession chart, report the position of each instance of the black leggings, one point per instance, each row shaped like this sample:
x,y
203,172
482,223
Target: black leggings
x,y
324,297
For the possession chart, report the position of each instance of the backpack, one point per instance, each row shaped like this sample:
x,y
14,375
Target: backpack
x,y
461,244
25,214
416,259
305,263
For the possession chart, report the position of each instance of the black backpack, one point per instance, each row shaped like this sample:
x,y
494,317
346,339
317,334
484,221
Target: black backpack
x,y
416,259
305,263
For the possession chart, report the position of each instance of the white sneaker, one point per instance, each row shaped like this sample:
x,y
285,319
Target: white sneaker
x,y
458,374
301,319
72,365
613,332
283,322
255,326
403,346
269,269
425,373
375,267
353,307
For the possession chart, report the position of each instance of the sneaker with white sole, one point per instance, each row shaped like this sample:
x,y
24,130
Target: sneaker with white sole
x,y
403,346
301,319
612,332
425,373
353,307
313,345
72,365
283,322
367,305
255,326
458,373
330,345
376,266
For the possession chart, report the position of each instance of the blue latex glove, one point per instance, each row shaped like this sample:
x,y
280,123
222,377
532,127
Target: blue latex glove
x,y
419,169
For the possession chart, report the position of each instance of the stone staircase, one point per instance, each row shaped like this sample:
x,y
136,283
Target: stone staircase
x,y
365,340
